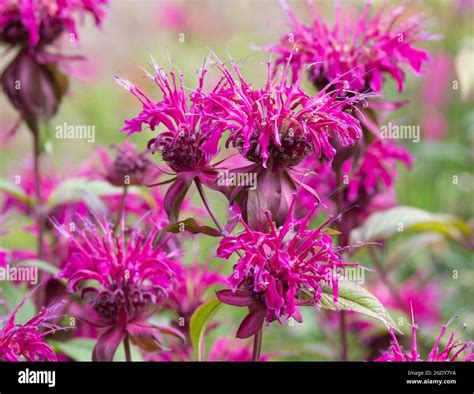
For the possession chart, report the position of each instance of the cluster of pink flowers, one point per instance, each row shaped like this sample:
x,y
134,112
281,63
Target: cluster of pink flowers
x,y
120,253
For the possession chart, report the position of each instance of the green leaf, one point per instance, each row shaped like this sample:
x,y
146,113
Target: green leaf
x,y
408,248
77,189
199,322
191,225
353,297
13,190
40,264
385,224
13,295
79,349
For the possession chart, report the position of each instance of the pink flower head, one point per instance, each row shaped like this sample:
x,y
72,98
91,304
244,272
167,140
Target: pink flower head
x,y
377,168
134,278
187,129
180,113
36,22
452,350
129,167
281,123
364,49
276,268
26,341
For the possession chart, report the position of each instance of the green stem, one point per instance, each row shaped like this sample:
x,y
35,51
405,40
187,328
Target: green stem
x,y
342,314
206,204
40,219
121,208
384,277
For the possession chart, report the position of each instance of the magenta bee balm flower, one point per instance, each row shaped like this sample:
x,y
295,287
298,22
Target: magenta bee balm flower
x,y
187,129
365,48
276,128
281,123
133,278
277,270
20,342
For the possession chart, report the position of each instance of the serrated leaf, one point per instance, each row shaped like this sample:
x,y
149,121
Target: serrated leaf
x,y
191,225
13,190
199,322
385,224
353,297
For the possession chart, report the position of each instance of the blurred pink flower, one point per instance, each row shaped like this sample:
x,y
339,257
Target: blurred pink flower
x,y
377,167
227,349
369,178
172,15
134,278
128,167
413,293
435,95
191,291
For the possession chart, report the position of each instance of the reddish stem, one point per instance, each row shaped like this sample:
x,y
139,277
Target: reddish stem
x,y
257,345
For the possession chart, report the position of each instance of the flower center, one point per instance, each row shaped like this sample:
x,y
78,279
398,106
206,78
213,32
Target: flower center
x,y
120,305
293,149
181,152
